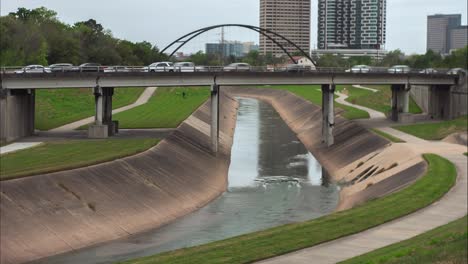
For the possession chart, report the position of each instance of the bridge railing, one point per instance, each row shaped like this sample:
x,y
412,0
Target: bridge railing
x,y
288,68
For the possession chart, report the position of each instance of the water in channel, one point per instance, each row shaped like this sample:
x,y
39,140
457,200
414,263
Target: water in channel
x,y
273,180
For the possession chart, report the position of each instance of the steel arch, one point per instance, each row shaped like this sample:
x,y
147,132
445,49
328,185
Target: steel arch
x,y
262,31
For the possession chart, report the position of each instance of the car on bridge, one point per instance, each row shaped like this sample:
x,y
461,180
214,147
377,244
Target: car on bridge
x,y
239,66
164,66
89,67
188,67
33,69
399,69
456,71
61,67
359,69
117,69
429,71
298,68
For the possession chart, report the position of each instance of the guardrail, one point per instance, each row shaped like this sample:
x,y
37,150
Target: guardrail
x,y
290,68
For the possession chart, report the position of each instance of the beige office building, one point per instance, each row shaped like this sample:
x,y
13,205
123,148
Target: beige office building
x,y
289,18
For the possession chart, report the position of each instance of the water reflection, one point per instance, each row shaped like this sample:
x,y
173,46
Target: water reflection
x,y
273,180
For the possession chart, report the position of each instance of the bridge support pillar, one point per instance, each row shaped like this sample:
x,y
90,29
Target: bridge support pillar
x,y
440,101
328,113
16,114
400,102
103,126
214,118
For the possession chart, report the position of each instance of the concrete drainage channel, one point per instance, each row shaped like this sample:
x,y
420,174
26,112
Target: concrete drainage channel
x,y
143,192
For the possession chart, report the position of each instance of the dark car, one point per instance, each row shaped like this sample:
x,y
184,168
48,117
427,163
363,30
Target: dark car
x,y
61,67
90,67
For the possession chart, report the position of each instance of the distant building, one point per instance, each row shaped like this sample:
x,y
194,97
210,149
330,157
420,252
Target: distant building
x,y
351,24
445,33
375,54
458,37
230,48
289,18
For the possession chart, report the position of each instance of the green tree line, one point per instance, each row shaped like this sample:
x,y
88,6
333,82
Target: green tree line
x,y
458,59
37,37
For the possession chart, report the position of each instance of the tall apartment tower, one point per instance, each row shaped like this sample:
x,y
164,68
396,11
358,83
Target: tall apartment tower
x,y
352,24
442,30
289,18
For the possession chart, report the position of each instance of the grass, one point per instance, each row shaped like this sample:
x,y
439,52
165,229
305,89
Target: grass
x,y
57,156
446,244
440,177
436,131
388,136
57,107
379,101
313,94
166,109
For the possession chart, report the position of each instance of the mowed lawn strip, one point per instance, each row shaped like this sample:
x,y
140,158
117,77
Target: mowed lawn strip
x,y
436,131
440,177
313,94
379,101
57,156
57,107
446,244
387,136
167,108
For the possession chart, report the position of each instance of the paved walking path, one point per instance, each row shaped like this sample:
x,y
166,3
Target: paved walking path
x,y
372,113
365,88
18,146
143,99
451,207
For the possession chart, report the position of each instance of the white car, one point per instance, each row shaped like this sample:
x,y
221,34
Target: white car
x,y
165,66
429,71
456,71
237,67
34,69
399,69
187,67
359,69
117,69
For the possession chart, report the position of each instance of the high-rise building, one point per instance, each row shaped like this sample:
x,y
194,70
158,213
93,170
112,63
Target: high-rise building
x,y
230,48
351,24
445,33
289,18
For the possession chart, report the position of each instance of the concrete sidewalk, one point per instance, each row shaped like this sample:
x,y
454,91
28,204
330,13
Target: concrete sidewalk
x,y
18,146
372,113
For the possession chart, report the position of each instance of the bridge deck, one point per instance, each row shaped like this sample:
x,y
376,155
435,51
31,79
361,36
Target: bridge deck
x,y
142,79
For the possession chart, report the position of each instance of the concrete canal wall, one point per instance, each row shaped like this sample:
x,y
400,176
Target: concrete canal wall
x,y
53,213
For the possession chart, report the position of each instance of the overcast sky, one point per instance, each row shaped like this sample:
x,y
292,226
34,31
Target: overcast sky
x,y
162,21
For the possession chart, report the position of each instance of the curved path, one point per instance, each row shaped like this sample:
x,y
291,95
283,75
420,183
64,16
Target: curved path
x,y
372,113
366,88
451,207
143,99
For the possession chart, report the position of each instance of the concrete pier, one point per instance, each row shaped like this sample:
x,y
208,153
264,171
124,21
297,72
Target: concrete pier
x,y
400,103
214,117
328,113
103,126
16,114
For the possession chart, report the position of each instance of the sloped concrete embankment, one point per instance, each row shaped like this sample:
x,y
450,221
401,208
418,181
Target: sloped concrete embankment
x,y
367,165
54,213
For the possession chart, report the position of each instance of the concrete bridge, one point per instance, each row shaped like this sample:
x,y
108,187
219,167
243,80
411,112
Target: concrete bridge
x,y
18,90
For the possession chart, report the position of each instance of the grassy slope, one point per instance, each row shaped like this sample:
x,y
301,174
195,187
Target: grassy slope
x,y
387,136
57,107
439,179
379,101
446,244
167,108
314,95
436,131
56,156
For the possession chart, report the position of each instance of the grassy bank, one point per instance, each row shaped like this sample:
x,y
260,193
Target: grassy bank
x,y
387,136
313,94
436,131
166,109
57,107
379,101
439,178
57,156
446,244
